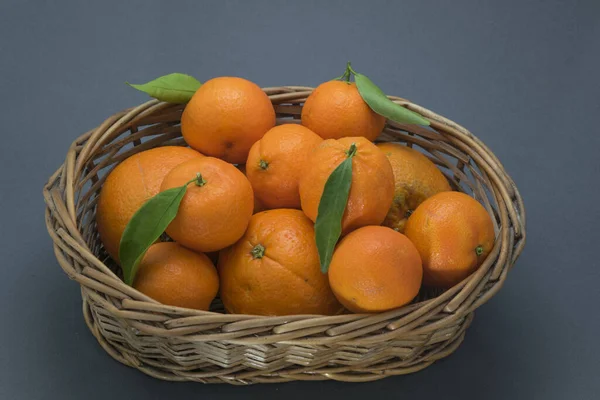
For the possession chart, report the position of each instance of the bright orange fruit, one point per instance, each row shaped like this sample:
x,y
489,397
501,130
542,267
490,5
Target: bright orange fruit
x,y
129,186
225,117
374,269
453,233
214,215
274,268
176,276
372,186
335,109
276,162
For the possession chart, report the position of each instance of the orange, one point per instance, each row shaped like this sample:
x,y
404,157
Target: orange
x,y
372,187
129,186
375,269
416,179
225,117
258,205
214,212
453,233
176,276
276,162
274,268
335,109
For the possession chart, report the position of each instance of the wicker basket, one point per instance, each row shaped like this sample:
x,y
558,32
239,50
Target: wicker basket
x,y
213,347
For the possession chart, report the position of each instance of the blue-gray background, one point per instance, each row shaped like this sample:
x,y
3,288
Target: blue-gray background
x,y
522,75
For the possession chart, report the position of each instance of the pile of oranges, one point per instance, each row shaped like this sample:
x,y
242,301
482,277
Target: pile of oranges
x,y
245,230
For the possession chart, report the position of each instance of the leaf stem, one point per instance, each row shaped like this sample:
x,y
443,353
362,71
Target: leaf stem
x,y
351,152
349,70
258,251
198,180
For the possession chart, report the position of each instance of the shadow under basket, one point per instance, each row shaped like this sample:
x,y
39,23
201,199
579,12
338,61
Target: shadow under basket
x,y
213,347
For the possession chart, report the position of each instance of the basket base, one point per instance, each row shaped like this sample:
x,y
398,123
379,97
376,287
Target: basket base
x,y
241,376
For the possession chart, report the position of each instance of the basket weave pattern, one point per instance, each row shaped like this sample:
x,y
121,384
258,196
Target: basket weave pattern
x,y
213,347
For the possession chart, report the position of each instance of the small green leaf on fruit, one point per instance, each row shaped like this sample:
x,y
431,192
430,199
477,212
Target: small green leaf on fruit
x,y
332,205
172,88
379,102
145,227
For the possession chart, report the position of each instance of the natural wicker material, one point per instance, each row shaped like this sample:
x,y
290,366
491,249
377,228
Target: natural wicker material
x,y
182,344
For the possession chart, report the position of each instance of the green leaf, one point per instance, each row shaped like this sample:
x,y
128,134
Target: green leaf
x,y
145,227
378,101
328,226
172,88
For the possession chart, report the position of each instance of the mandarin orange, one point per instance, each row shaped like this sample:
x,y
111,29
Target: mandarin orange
x,y
375,268
415,177
274,268
335,109
176,276
225,117
276,162
129,186
453,233
372,187
214,212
